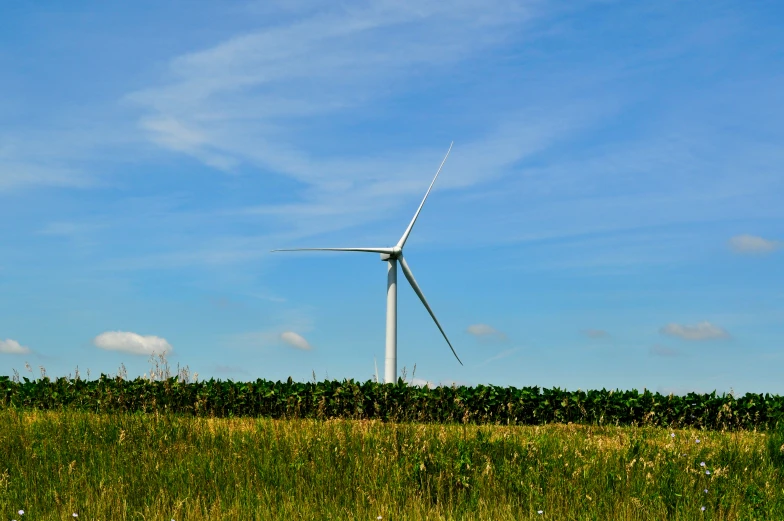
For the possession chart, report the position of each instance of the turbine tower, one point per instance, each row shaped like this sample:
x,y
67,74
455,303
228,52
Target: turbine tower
x,y
392,256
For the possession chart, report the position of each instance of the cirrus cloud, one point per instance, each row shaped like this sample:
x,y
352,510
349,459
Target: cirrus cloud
x,y
295,340
132,343
702,331
12,347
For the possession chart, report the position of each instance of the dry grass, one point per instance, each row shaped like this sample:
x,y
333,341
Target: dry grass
x,y
137,466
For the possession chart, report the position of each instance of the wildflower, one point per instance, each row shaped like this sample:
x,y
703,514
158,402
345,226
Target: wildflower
x,y
702,463
540,511
698,440
706,490
75,514
379,517
707,472
21,512
672,435
702,508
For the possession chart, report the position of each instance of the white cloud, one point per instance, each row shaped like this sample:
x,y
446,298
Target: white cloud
x,y
127,342
12,347
596,333
420,382
294,340
483,331
702,331
753,244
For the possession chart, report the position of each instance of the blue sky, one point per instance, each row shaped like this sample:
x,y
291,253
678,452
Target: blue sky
x,y
610,215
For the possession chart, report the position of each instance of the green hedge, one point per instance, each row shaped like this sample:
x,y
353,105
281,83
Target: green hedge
x,y
485,404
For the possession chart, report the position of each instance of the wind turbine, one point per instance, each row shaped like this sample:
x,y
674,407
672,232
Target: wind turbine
x,y
392,256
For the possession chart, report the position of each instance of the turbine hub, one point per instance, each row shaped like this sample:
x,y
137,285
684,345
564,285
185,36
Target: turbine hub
x,y
396,252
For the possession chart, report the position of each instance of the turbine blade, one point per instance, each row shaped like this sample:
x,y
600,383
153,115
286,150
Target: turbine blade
x,y
415,286
372,250
404,238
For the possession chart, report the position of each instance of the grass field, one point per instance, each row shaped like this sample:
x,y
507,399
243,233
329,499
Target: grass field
x,y
136,466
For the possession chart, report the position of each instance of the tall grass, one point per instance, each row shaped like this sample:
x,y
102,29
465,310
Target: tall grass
x,y
137,466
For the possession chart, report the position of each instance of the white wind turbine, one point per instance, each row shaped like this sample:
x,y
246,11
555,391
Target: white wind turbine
x,y
392,256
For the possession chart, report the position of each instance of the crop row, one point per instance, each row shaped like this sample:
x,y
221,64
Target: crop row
x,y
483,404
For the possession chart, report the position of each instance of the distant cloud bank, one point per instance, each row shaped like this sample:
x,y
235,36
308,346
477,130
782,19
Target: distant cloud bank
x,y
701,331
132,343
294,340
12,347
753,244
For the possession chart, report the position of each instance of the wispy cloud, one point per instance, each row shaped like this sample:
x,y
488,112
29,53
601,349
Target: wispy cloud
x,y
132,343
242,103
69,229
701,331
48,157
753,244
15,175
295,340
485,332
503,354
12,347
660,350
322,62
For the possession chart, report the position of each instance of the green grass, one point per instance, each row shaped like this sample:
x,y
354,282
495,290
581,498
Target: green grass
x,y
137,466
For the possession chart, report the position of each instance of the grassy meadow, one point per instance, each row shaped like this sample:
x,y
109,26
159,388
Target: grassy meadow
x,y
150,466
